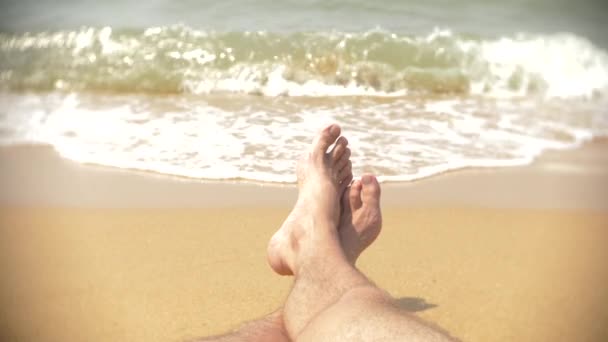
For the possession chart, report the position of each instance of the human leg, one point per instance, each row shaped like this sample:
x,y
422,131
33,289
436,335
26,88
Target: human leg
x,y
271,327
318,171
355,308
360,223
365,313
323,260
312,233
329,294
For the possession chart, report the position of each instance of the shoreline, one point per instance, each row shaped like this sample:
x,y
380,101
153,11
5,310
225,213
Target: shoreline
x,y
556,179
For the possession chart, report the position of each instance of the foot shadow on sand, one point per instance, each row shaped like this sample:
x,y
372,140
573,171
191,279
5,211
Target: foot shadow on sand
x,y
414,304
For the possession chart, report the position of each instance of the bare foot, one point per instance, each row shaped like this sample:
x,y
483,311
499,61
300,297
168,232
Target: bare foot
x,y
361,219
322,178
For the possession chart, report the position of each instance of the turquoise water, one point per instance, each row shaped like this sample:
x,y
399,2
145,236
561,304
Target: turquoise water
x,y
234,90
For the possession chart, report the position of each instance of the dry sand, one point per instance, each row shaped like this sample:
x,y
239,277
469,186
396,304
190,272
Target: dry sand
x,y
93,254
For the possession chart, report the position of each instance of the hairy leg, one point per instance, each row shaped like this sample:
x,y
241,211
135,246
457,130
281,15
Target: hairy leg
x,y
365,312
271,328
336,166
313,231
330,299
324,260
369,314
360,224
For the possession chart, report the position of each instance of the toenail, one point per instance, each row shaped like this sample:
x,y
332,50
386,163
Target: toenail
x,y
367,179
334,130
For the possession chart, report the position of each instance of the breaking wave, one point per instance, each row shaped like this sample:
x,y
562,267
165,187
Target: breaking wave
x,y
179,59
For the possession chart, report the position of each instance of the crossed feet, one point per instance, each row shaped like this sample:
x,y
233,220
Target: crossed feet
x,y
329,207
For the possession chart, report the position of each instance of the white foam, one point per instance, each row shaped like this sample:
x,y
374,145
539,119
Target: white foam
x,y
258,140
561,65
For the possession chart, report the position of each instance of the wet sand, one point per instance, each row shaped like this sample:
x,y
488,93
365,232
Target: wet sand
x,y
94,254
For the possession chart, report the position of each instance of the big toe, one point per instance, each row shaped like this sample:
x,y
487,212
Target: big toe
x,y
370,191
325,138
354,195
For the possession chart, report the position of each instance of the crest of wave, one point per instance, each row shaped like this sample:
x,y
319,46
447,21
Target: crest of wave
x,y
179,59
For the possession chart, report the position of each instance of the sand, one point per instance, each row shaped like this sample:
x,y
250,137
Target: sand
x,y
94,254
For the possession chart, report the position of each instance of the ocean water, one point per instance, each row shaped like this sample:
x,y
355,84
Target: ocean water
x,y
236,89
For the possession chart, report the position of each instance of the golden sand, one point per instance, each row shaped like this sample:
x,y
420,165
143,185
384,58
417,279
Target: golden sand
x,y
88,254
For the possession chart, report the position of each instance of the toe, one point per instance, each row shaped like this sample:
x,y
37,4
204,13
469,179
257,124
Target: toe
x,y
355,195
339,148
345,183
370,193
345,172
343,161
327,137
346,200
